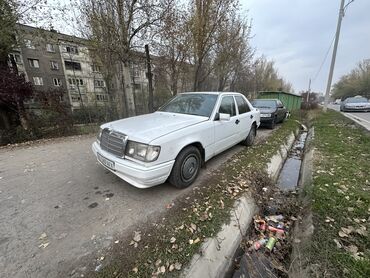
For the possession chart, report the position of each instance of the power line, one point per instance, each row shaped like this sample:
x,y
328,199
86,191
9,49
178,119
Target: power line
x,y
324,60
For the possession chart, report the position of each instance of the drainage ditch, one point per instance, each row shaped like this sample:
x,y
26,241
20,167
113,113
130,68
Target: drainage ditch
x,y
266,248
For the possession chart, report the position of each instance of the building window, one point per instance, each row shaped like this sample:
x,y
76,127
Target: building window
x,y
71,49
57,82
75,98
50,47
38,81
99,83
136,72
29,44
54,65
102,97
72,65
95,68
17,58
75,82
34,63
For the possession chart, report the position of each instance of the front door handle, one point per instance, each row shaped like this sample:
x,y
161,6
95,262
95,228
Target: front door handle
x,y
237,121
251,116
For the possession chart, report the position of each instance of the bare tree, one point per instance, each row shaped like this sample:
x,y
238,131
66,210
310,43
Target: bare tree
x,y
117,28
173,44
205,17
233,53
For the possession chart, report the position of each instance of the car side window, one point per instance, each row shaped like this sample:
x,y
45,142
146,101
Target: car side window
x,y
280,104
227,106
243,106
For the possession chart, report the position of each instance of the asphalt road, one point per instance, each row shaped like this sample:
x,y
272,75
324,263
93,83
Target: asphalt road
x,y
362,117
59,206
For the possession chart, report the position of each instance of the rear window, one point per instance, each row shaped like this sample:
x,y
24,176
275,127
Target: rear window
x,y
242,105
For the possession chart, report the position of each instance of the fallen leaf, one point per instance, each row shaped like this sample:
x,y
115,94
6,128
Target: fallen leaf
x,y
171,268
178,266
172,240
117,241
337,243
158,262
352,249
191,241
347,230
137,236
44,245
193,226
350,209
342,234
162,269
135,269
43,236
196,240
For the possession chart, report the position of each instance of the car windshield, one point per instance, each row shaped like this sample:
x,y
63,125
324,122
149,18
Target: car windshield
x,y
356,100
261,103
191,104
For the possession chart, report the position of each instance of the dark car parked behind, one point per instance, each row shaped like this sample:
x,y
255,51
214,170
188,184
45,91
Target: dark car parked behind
x,y
272,111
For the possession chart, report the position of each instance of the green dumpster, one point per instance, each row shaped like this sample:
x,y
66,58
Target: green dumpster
x,y
291,101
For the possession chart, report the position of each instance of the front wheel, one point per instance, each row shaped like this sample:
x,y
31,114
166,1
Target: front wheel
x,y
186,167
251,136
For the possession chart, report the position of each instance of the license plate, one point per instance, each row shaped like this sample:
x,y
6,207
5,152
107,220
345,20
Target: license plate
x,y
106,162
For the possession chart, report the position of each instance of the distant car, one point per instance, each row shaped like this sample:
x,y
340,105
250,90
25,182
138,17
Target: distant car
x,y
272,111
174,142
353,104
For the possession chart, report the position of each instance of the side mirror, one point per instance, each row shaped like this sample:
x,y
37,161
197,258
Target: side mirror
x,y
224,117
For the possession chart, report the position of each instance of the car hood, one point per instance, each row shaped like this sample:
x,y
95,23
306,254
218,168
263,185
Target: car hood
x,y
266,110
146,128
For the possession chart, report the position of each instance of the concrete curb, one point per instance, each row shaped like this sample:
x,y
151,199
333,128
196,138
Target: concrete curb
x,y
361,122
217,253
277,161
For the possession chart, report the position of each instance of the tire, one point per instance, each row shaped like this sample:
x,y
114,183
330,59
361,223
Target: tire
x,y
186,167
251,136
273,123
284,118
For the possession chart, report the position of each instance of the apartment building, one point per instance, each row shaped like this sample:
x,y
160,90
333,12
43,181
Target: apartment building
x,y
55,61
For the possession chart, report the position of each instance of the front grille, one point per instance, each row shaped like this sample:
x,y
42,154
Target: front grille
x,y
113,142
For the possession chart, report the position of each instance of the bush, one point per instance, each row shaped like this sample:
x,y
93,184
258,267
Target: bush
x,y
93,114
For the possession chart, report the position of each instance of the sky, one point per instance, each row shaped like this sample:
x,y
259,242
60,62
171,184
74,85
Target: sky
x,y
297,34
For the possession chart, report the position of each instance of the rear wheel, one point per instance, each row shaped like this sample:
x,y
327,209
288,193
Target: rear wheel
x,y
186,167
251,136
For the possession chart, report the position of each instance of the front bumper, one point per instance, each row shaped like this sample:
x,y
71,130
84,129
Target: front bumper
x,y
266,120
356,109
138,175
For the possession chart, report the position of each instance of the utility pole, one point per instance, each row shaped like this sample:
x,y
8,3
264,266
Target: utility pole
x,y
309,91
330,78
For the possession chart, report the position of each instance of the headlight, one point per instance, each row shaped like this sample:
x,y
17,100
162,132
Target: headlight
x,y
142,152
98,137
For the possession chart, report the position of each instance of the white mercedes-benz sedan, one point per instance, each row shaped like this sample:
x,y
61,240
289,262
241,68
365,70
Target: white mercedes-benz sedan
x,y
175,141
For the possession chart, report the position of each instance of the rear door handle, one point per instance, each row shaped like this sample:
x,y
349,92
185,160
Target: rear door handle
x,y
237,121
251,116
